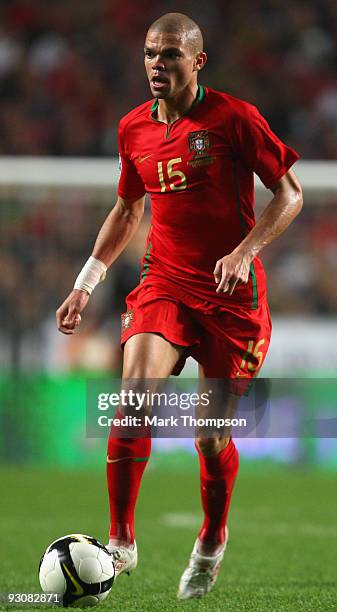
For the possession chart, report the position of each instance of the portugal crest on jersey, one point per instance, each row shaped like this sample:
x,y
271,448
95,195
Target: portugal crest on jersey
x,y
199,142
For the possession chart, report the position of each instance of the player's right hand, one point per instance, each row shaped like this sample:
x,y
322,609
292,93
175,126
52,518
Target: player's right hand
x,y
68,315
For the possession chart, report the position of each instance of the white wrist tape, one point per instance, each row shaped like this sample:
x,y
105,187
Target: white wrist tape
x,y
92,273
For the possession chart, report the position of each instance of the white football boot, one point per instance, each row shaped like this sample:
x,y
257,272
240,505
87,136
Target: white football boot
x,y
125,558
201,573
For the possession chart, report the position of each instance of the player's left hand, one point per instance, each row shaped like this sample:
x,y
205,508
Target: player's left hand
x,y
230,270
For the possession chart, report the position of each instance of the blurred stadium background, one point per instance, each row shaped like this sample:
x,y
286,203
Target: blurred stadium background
x,y
68,72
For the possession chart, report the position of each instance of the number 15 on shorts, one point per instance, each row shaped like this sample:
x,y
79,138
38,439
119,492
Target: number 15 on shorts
x,y
252,359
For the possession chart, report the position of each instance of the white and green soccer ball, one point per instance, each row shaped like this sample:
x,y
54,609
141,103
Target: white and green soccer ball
x,y
79,569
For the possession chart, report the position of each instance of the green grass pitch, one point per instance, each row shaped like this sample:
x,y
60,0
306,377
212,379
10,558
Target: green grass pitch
x,y
281,556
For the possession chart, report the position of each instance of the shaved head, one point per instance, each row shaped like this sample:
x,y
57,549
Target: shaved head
x,y
173,57
182,25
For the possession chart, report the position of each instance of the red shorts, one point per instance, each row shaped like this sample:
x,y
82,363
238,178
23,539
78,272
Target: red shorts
x,y
226,342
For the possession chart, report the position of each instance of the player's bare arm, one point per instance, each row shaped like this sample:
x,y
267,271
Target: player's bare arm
x,y
280,212
118,229
114,235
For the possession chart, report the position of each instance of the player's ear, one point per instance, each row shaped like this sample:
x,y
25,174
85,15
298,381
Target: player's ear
x,y
200,60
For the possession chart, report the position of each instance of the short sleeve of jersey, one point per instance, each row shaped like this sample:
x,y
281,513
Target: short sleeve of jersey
x,y
130,184
258,146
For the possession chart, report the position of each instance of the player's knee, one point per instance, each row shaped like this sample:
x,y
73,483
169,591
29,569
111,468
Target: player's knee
x,y
140,371
135,396
211,446
140,368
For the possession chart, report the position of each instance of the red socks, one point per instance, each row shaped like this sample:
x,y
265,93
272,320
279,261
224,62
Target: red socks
x,y
217,478
126,462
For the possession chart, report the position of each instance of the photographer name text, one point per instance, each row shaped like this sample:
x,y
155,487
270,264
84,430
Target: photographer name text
x,y
184,420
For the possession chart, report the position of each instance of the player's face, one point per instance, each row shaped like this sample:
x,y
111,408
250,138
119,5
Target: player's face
x,y
171,63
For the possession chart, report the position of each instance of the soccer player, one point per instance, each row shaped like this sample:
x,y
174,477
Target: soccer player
x,y
202,290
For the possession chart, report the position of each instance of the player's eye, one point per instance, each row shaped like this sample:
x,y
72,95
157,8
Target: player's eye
x,y
173,55
148,53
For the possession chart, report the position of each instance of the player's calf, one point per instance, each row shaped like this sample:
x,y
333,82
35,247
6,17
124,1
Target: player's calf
x,y
211,446
217,477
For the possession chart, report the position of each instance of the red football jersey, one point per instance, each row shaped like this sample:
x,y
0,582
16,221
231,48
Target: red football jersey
x,y
198,172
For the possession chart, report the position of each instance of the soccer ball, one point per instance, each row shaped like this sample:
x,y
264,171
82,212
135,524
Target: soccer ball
x,y
79,569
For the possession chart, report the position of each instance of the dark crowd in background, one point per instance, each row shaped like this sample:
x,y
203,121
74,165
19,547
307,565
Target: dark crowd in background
x,y
70,69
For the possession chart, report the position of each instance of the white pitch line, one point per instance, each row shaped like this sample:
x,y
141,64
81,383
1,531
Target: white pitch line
x,y
181,519
189,520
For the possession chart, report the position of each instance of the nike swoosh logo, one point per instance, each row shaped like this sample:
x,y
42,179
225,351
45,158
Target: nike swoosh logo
x,y
238,375
141,159
78,589
108,460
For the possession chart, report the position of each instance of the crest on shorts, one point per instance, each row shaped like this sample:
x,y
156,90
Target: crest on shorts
x,y
199,142
127,319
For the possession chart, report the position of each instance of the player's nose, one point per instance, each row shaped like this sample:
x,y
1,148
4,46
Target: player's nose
x,y
158,64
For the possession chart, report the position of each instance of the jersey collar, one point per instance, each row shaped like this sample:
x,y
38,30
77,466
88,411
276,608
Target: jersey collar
x,y
201,93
